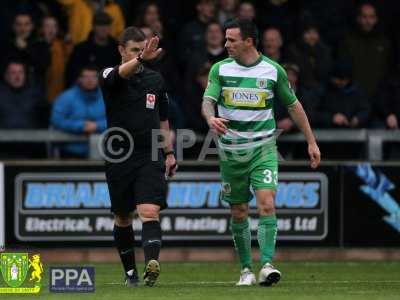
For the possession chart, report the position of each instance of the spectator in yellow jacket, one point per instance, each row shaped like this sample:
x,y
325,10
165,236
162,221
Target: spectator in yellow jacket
x,y
80,15
118,20
59,52
80,18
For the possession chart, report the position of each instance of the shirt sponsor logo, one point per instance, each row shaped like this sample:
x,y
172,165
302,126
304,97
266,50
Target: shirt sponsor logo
x,y
248,98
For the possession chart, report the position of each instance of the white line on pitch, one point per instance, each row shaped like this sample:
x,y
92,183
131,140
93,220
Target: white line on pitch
x,y
289,281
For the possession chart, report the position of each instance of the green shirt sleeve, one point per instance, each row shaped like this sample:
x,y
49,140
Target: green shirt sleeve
x,y
213,89
284,92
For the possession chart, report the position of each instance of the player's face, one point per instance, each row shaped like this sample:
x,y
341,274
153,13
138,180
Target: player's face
x,y
131,50
235,45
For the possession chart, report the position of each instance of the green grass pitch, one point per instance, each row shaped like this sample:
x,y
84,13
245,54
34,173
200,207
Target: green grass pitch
x,y
300,280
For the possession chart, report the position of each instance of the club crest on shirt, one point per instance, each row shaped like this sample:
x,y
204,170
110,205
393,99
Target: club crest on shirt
x,y
150,101
261,83
226,188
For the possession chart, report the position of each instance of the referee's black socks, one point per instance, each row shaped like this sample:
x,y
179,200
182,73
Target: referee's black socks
x,y
125,241
151,240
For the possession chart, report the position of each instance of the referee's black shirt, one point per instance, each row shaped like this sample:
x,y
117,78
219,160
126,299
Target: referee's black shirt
x,y
136,104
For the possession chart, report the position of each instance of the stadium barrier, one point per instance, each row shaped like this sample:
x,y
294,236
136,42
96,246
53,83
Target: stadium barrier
x,y
49,203
372,139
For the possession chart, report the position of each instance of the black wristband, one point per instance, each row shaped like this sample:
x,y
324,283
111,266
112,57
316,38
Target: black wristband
x,y
139,58
168,153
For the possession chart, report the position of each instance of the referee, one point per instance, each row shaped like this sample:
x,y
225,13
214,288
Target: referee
x,y
136,103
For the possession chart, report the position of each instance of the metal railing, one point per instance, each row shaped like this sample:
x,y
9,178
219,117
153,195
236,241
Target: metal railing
x,y
373,139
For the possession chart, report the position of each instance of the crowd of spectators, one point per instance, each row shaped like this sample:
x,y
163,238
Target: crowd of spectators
x,y
341,56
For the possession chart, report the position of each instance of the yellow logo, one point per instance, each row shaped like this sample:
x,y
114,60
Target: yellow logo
x,y
15,268
245,97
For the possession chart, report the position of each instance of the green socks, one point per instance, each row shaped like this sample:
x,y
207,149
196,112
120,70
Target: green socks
x,y
242,239
266,235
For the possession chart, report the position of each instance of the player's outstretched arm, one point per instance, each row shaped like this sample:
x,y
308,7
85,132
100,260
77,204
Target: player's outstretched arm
x,y
208,111
299,116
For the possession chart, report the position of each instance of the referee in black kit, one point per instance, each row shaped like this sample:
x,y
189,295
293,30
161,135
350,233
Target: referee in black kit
x,y
136,103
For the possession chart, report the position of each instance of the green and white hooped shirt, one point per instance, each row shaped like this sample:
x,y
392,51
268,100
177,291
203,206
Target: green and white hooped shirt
x,y
245,96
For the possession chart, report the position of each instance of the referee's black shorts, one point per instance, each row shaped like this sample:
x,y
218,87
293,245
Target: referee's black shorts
x,y
145,184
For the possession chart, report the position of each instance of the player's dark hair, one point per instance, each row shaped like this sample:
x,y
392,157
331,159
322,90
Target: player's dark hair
x,y
131,34
247,29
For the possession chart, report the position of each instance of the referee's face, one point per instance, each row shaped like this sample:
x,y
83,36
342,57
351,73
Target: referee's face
x,y
131,50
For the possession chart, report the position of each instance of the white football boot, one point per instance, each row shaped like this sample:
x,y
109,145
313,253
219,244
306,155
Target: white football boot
x,y
247,278
268,275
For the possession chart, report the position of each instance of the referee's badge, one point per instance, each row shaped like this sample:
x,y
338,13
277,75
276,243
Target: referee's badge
x,y
150,101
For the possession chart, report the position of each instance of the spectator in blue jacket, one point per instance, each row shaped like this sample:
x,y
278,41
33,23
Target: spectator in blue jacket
x,y
80,110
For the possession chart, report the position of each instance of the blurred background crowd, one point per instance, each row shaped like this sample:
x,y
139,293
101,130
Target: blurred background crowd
x,y
341,56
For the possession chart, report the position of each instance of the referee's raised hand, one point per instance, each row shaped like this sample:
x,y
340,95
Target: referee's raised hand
x,y
151,50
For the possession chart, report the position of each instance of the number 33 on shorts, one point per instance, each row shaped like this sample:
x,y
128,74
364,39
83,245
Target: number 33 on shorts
x,y
270,176
265,179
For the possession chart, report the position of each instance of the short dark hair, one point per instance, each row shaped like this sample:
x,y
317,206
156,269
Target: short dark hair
x,y
131,33
247,29
101,18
